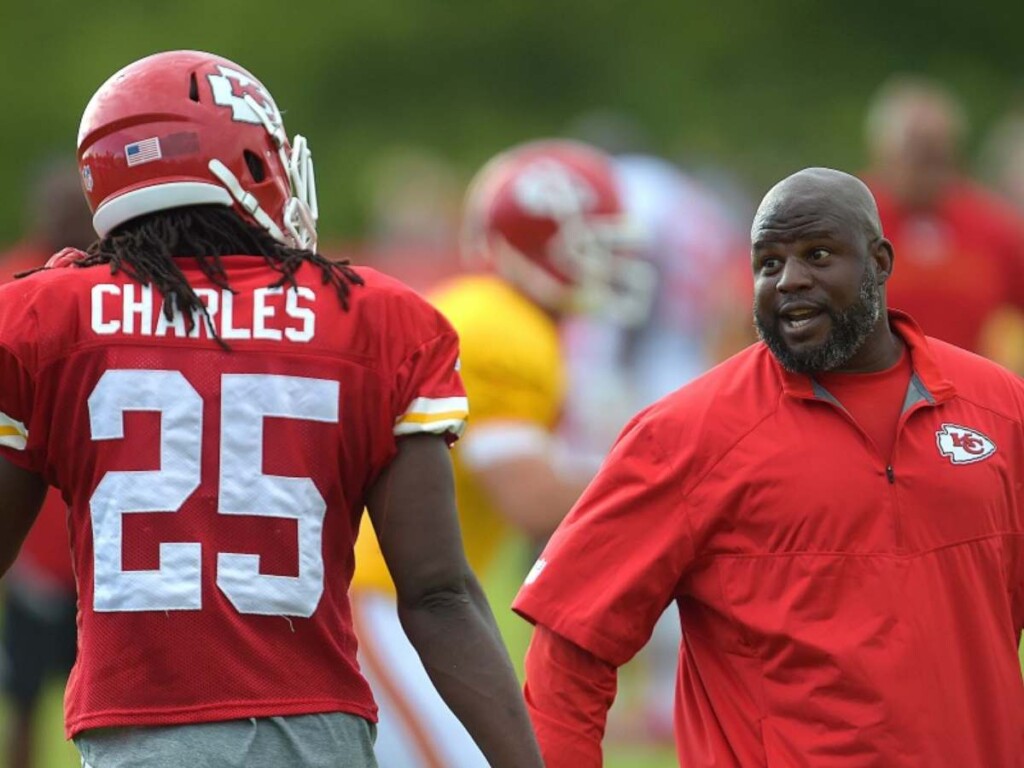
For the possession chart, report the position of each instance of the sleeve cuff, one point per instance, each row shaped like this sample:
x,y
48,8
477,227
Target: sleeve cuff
x,y
433,416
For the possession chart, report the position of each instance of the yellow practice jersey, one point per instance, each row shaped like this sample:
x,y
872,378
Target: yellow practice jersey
x,y
511,365
1002,338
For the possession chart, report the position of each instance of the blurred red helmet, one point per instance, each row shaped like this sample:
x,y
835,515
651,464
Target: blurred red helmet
x,y
190,128
548,217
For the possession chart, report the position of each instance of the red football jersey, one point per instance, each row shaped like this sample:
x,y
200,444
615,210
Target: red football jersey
x,y
215,495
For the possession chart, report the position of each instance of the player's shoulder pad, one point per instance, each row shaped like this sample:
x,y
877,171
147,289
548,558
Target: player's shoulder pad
x,y
382,286
390,300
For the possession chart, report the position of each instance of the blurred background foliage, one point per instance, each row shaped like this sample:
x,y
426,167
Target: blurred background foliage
x,y
757,89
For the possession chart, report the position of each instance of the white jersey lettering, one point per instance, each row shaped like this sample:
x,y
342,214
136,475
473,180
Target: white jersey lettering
x,y
136,310
101,326
262,312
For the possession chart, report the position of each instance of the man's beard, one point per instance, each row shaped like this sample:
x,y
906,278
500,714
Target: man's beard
x,y
850,329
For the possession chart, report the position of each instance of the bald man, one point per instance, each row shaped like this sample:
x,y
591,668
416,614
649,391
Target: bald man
x,y
836,513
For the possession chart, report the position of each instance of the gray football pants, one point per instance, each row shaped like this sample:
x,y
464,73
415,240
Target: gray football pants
x,y
333,740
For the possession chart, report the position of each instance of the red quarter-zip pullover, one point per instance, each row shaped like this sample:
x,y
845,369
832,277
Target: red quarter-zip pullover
x,y
838,608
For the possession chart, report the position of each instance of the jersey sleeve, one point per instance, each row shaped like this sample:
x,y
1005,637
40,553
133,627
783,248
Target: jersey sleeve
x,y
430,398
16,384
568,692
615,562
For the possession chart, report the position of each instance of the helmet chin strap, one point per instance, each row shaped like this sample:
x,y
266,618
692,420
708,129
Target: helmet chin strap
x,y
245,199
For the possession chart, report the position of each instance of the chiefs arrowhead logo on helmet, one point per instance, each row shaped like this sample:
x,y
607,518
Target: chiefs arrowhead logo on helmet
x,y
230,89
547,187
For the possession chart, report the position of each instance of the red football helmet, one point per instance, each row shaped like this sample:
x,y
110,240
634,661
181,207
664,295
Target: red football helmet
x,y
548,216
187,128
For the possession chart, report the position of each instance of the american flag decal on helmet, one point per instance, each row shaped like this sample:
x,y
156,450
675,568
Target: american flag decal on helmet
x,y
144,151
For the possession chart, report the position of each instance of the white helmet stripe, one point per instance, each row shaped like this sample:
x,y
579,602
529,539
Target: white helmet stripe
x,y
160,197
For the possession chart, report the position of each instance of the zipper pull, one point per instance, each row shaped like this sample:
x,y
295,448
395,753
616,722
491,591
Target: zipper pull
x,y
890,474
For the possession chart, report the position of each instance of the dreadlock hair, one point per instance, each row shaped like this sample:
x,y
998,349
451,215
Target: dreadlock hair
x,y
145,249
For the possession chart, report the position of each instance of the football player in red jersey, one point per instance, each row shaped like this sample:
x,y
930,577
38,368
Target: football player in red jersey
x,y
217,403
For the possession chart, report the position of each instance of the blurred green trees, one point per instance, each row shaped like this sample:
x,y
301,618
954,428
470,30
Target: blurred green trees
x,y
759,88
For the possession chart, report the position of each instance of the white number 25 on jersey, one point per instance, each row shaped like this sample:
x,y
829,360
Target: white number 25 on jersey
x,y
246,399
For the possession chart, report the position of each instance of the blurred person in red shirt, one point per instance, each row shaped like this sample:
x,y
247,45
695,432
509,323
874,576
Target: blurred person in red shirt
x,y
1001,163
1001,157
38,639
961,247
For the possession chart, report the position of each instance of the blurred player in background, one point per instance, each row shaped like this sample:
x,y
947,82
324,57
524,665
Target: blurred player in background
x,y
39,591
57,217
1001,157
689,236
1001,163
961,247
218,403
693,241
547,219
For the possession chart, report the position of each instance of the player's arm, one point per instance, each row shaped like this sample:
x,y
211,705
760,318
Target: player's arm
x,y
441,605
532,483
21,496
568,694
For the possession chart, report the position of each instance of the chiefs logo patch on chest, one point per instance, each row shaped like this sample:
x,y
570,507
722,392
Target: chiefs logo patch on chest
x,y
963,445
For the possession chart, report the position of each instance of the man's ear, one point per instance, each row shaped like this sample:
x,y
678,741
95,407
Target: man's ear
x,y
884,257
